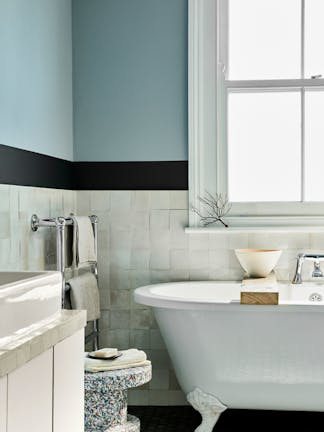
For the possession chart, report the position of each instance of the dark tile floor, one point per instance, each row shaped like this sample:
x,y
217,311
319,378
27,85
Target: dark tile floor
x,y
186,419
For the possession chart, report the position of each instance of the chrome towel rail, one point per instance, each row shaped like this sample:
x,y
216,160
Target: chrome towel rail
x,y
60,223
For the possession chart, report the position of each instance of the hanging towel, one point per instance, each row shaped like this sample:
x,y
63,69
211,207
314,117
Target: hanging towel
x,y
84,294
130,358
83,241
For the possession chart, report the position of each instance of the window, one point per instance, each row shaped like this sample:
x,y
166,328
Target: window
x,y
256,98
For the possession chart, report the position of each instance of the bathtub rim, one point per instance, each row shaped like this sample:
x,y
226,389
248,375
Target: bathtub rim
x,y
143,295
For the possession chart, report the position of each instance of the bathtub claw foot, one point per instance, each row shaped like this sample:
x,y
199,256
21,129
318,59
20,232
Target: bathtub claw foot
x,y
208,406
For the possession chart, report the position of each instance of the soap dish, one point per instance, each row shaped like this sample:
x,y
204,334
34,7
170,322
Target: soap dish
x,y
113,357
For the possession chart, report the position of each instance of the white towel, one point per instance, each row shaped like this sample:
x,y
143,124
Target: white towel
x,y
130,358
83,241
84,294
261,284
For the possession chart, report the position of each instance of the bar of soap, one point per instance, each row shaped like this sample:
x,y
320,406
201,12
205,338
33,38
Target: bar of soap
x,y
105,353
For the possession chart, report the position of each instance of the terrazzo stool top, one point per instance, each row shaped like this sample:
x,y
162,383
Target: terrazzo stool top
x,y
106,399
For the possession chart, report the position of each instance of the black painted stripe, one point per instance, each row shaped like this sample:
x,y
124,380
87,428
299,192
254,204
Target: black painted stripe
x,y
171,175
26,168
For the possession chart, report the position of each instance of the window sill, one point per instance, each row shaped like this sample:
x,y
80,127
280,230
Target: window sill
x,y
264,224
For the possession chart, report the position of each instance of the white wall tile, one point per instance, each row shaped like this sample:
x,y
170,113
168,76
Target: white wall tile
x,y
140,239
160,276
83,203
199,275
159,259
219,241
4,224
142,200
99,201
219,258
317,241
156,340
120,299
119,278
160,200
120,239
121,200
238,241
140,318
140,258
160,379
179,200
116,339
160,220
140,221
179,275
140,339
178,221
139,278
179,259
199,259
198,242
120,319
120,258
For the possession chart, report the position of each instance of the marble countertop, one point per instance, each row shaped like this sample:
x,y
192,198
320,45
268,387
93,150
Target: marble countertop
x,y
28,343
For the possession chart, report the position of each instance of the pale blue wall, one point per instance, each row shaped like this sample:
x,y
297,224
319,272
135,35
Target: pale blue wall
x,y
130,80
36,76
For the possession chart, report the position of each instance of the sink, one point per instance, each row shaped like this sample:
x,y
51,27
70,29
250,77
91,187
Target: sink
x,y
27,298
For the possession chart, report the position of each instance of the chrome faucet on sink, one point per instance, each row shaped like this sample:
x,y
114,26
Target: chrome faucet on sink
x,y
317,272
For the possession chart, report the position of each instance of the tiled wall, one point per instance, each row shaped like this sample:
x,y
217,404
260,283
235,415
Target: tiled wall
x,y
142,241
20,248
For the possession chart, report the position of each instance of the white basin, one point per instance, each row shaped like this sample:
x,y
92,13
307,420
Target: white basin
x,y
27,298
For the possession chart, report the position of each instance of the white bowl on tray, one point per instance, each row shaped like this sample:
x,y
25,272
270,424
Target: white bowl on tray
x,y
258,262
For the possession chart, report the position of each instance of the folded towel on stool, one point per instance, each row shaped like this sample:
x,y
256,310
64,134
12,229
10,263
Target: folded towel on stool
x,y
130,358
83,241
84,294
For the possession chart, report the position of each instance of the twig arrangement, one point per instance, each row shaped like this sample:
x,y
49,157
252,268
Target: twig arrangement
x,y
216,207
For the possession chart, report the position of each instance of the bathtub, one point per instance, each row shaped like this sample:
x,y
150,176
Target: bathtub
x,y
228,355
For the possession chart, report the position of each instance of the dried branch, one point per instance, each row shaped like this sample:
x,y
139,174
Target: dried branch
x,y
216,208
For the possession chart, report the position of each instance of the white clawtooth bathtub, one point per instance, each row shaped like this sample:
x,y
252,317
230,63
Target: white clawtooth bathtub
x,y
228,355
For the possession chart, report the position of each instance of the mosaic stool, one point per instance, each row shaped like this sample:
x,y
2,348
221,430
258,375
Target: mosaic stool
x,y
106,399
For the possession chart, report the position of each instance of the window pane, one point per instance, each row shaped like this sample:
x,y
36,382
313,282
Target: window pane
x,y
314,146
264,142
264,39
314,38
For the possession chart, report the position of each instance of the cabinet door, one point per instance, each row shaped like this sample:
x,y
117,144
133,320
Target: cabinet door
x,y
30,395
3,404
69,384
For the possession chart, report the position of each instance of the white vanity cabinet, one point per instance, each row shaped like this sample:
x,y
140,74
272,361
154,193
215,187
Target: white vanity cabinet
x,y
30,395
68,406
46,394
3,404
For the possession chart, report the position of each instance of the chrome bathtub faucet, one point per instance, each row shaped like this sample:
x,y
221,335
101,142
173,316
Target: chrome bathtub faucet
x,y
317,272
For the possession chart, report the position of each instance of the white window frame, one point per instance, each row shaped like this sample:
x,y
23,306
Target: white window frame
x,y
207,124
